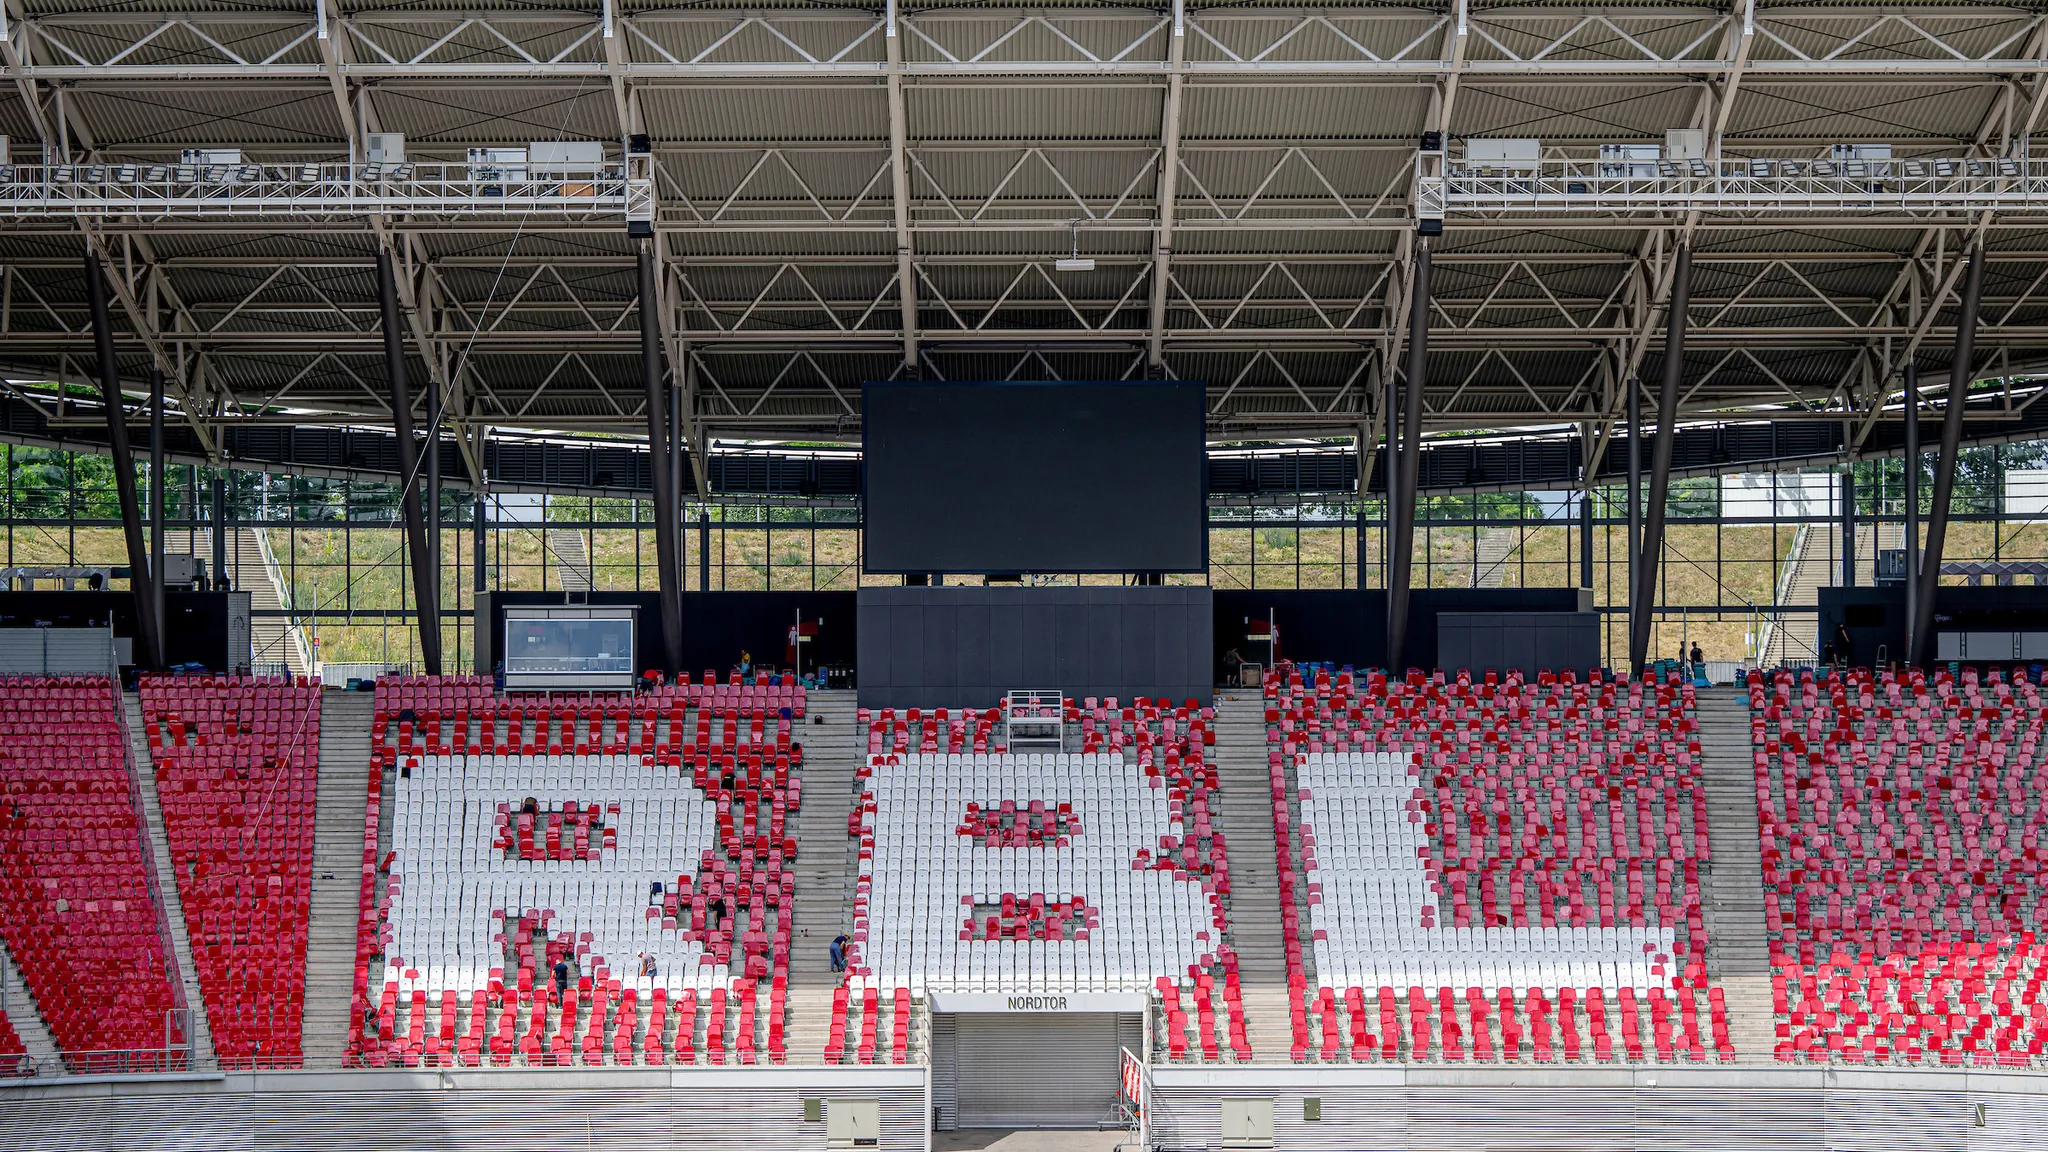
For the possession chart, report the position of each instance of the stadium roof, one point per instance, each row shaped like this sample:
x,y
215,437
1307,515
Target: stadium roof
x,y
781,133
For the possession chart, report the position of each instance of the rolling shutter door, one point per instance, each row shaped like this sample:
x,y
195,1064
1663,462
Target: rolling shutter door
x,y
1048,1071
945,1072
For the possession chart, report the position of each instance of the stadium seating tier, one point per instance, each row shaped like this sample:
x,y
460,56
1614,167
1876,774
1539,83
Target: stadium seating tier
x,y
1492,869
1902,860
640,842
237,763
75,905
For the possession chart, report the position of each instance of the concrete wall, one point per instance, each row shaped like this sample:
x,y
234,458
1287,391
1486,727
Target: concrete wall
x,y
1424,1108
1666,1109
594,1110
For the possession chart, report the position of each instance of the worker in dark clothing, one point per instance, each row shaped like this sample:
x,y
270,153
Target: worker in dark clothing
x,y
561,976
716,912
1227,668
837,951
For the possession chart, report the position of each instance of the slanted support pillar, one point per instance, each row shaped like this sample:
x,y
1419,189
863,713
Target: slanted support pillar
x,y
1912,477
148,654
1632,548
1401,500
1645,588
425,603
157,487
667,518
1962,371
433,501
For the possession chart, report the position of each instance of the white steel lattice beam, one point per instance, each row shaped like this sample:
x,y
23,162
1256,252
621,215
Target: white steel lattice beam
x,y
686,44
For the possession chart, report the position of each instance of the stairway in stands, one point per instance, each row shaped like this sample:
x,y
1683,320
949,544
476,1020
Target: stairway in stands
x,y
1814,563
1246,819
337,873
1495,554
1737,958
572,559
834,745
23,1014
201,1037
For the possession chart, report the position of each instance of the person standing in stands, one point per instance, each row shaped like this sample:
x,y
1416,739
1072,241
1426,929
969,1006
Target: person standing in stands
x,y
717,912
647,969
837,950
562,976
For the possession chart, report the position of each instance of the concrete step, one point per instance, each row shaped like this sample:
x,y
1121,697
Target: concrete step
x,y
834,746
1738,957
23,1014
1246,817
201,1036
344,783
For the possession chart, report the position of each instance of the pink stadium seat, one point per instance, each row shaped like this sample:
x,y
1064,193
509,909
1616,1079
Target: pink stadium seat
x,y
237,765
1902,865
75,903
1563,805
1170,744
734,743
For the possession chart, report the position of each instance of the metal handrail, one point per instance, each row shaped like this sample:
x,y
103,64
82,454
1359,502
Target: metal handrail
x,y
294,632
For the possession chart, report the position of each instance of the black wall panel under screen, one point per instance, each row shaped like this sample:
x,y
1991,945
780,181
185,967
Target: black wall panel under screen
x,y
1876,617
1349,626
1034,476
716,625
1531,641
965,647
195,623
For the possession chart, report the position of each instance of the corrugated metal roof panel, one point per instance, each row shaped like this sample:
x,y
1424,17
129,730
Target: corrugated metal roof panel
x,y
1082,110
846,109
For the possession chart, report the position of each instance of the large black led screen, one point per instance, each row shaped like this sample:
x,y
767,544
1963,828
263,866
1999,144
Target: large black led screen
x,y
1034,477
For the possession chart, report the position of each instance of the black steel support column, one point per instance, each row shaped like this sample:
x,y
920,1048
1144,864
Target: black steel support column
x,y
1660,457
147,654
676,448
1849,527
157,487
424,601
220,532
704,551
1912,478
1392,484
1960,375
1401,508
478,538
433,501
1632,548
1586,541
667,517
1358,525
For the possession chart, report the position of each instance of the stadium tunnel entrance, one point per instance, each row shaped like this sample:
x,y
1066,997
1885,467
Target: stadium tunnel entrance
x,y
1031,1061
